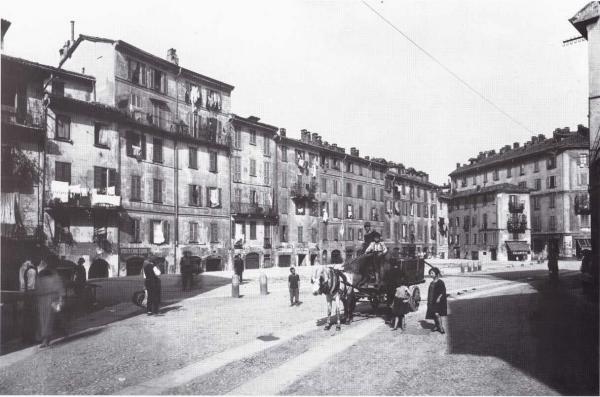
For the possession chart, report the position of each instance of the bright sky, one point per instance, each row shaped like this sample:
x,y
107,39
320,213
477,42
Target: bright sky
x,y
336,68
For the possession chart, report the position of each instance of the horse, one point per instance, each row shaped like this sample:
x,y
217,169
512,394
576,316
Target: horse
x,y
337,287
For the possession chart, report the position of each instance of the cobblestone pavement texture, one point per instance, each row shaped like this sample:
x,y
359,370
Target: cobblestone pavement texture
x,y
133,350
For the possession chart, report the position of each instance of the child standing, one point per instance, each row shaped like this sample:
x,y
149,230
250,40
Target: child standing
x,y
400,307
294,286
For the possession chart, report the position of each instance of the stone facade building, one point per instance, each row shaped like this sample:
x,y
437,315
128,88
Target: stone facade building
x,y
174,153
253,167
555,170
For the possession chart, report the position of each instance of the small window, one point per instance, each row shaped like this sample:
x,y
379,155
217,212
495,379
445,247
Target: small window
x,y
552,200
252,230
159,232
63,128
509,172
157,150
348,189
267,173
253,137
237,169
213,197
100,135
193,157
496,175
135,145
62,172
135,230
551,163
323,185
284,234
551,182
284,156
213,162
335,187
157,191
359,191
214,232
583,160
252,167
536,166
193,232
136,188
523,184
237,139
106,181
266,146
195,195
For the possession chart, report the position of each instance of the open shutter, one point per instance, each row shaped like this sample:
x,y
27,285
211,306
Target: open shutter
x,y
98,178
151,235
220,203
208,196
143,143
166,229
191,195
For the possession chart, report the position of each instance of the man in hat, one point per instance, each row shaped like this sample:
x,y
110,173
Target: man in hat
x,y
187,271
368,237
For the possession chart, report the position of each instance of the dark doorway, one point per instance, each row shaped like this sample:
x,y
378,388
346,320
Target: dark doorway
x,y
300,259
312,259
213,264
336,257
134,266
494,254
98,269
284,260
252,261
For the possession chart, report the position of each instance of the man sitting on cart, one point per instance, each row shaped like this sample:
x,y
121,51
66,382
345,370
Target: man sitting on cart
x,y
378,248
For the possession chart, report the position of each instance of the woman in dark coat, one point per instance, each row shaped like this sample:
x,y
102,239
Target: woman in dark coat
x,y
152,283
437,305
49,293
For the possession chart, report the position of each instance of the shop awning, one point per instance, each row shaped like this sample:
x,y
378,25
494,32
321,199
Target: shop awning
x,y
584,243
518,247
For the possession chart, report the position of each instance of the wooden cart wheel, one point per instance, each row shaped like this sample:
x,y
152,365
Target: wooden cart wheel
x,y
415,298
374,303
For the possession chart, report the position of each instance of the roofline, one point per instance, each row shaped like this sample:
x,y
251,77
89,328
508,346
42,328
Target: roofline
x,y
49,68
130,47
248,122
500,188
581,26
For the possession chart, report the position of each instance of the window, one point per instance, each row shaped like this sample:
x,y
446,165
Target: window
x,y
536,166
475,238
418,210
158,80
582,161
359,191
252,230
374,214
213,197
136,145
552,223
237,139
537,223
463,182
314,235
538,184
335,210
266,146
348,189
136,188
267,173
157,190
283,205
552,198
335,187
373,193
237,169
63,127
496,176
404,231
252,167
214,232
300,234
137,72
193,157
509,172
381,195
157,150
584,221
253,196
522,169
582,179
284,179
551,182
105,180
349,167
349,211
100,135
284,234
284,156
323,185
536,203
58,88
212,162
551,163
253,137
360,212
523,184
159,232
195,195
135,231
62,172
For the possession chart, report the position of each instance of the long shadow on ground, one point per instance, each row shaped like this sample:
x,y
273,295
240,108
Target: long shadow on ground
x,y
551,335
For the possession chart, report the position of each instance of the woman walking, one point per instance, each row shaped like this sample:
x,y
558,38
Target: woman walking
x,y
437,305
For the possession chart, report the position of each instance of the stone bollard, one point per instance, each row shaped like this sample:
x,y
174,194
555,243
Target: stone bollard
x,y
469,268
479,266
235,286
263,284
462,268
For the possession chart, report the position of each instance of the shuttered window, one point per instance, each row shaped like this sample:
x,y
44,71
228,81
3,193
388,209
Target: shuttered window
x,y
157,191
237,169
213,162
62,171
63,127
193,157
136,188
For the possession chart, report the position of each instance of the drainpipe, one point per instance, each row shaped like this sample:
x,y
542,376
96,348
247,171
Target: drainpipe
x,y
176,171
343,187
121,192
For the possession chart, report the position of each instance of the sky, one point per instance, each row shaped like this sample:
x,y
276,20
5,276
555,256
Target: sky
x,y
336,68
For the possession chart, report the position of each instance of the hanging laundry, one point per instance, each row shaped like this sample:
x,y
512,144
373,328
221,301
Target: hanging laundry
x,y
110,191
74,189
103,137
60,191
341,232
325,215
8,208
301,163
313,170
195,96
85,192
270,198
157,231
214,198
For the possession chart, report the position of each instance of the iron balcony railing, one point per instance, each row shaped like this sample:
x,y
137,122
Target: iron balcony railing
x,y
31,115
517,223
303,190
582,204
251,209
516,207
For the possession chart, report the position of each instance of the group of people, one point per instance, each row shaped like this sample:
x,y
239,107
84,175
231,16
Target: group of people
x,y
43,304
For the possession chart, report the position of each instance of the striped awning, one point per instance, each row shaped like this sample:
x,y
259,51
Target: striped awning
x,y
584,243
518,247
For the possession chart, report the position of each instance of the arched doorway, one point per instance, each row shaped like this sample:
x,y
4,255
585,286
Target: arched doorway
x,y
336,257
98,269
324,257
134,266
252,261
213,264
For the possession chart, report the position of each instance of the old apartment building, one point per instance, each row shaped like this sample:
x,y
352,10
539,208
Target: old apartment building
x,y
555,170
174,148
253,167
411,211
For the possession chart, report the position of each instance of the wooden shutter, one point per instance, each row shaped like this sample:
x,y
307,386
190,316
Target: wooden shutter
x,y
166,230
208,196
191,195
220,203
143,144
151,223
98,171
112,180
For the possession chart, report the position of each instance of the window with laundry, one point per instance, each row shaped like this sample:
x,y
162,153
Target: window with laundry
x,y
213,197
349,211
193,95
213,100
137,72
159,231
101,136
135,145
105,181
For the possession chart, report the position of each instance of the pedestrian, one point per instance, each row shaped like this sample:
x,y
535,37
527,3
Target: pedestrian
x,y
553,252
369,236
151,274
294,286
187,271
50,292
378,248
437,305
27,277
400,307
79,279
238,266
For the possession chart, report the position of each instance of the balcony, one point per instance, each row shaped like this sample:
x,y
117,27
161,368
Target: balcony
x,y
252,210
303,191
516,207
582,204
64,196
517,223
31,116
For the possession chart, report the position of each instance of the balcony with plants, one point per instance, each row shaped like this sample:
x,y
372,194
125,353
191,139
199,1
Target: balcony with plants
x,y
516,207
303,191
517,223
582,204
252,210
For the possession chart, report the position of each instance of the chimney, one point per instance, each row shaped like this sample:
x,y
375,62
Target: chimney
x,y
282,131
319,141
172,56
334,145
541,138
492,152
582,130
325,143
303,133
515,145
457,165
354,152
367,158
72,31
534,140
315,137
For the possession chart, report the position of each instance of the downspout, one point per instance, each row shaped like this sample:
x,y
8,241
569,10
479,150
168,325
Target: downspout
x,y
229,218
121,192
344,208
44,140
176,171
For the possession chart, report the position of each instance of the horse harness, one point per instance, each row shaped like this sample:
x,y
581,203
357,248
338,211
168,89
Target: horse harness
x,y
338,283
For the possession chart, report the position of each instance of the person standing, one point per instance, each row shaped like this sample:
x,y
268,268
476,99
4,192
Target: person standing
x,y
437,305
187,275
50,293
151,274
378,248
553,259
27,277
238,266
368,237
294,287
400,307
79,279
